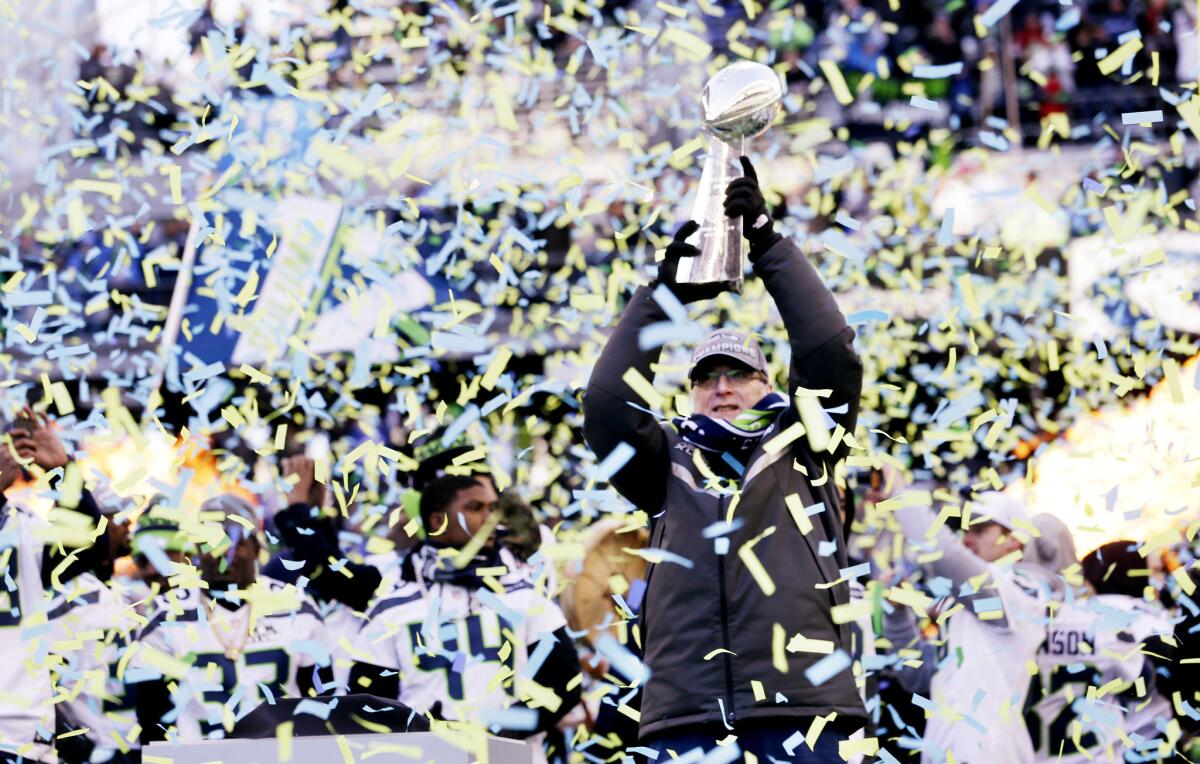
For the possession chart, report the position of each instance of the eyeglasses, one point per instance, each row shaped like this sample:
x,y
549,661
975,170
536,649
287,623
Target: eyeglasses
x,y
736,377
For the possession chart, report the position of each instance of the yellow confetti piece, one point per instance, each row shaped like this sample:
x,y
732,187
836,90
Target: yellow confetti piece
x,y
175,181
802,644
906,499
687,149
502,104
851,611
283,734
778,656
865,747
799,516
969,299
671,9
1184,580
755,566
815,729
757,688
643,388
784,439
837,83
1114,60
689,45
108,188
1171,375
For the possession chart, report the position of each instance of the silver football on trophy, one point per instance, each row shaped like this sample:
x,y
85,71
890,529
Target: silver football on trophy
x,y
739,103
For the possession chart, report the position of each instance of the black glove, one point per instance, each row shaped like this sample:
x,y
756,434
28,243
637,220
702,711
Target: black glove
x,y
667,271
744,199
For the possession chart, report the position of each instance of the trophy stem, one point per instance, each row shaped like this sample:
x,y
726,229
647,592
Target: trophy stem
x,y
719,238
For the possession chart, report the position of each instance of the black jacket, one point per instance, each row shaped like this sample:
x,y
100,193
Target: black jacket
x,y
688,613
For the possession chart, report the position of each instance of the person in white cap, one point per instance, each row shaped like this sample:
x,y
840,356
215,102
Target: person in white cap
x,y
992,628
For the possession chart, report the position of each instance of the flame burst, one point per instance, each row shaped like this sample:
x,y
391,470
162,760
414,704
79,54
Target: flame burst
x,y
1128,473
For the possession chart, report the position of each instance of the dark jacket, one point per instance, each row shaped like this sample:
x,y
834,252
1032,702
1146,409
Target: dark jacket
x,y
688,613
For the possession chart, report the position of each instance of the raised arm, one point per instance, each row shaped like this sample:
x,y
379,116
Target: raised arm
x,y
822,345
954,561
608,418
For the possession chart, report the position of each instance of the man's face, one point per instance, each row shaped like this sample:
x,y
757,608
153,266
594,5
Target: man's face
x,y
724,390
468,511
991,542
238,565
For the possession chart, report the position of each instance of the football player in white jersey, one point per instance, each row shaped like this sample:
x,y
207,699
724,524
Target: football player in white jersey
x,y
341,588
29,567
210,656
462,638
992,632
92,625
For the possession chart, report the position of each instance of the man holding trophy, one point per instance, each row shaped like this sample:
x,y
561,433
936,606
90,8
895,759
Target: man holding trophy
x,y
736,622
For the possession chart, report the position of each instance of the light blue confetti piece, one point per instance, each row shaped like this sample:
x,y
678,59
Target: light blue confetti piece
x,y
616,459
621,659
1101,348
946,233
934,72
832,168
292,564
922,702
854,571
538,656
266,692
315,708
658,556
461,343
993,141
666,299
992,16
793,742
826,548
863,316
511,718
649,753
1141,117
723,754
490,599
847,222
825,669
660,333
721,546
314,648
885,757
837,242
1067,21
923,103
988,605
460,424
721,528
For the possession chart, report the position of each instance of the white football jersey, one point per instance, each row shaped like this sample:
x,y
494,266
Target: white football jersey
x,y
980,686
26,705
341,626
1091,643
455,647
93,625
232,660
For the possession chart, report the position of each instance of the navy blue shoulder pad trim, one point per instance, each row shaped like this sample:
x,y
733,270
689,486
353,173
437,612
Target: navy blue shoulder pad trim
x,y
392,602
88,598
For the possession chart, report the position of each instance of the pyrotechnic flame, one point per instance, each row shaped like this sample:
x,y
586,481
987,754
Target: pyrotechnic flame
x,y
1130,472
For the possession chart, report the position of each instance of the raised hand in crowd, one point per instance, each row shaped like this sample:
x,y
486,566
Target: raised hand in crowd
x,y
307,489
36,441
